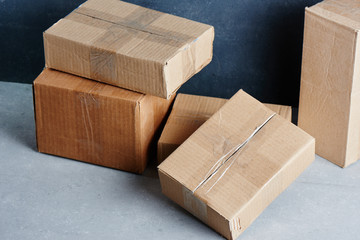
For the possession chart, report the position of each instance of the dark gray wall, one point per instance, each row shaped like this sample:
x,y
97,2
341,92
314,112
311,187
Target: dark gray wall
x,y
258,44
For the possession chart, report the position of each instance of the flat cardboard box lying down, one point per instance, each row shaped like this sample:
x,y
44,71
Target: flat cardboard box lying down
x,y
96,123
129,46
236,164
329,106
189,113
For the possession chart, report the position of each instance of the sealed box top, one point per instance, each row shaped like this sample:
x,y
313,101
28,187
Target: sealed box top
x,y
344,12
226,180
129,46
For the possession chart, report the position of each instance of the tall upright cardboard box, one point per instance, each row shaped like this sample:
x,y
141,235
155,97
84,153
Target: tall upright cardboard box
x,y
189,113
129,46
329,107
96,123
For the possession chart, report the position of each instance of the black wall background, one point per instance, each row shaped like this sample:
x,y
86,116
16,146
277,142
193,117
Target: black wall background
x,y
257,47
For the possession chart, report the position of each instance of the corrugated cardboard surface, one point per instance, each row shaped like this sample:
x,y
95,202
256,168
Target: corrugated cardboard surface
x,y
189,113
94,122
129,46
329,107
245,185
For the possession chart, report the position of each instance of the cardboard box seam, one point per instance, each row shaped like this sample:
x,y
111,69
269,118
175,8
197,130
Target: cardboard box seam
x,y
137,29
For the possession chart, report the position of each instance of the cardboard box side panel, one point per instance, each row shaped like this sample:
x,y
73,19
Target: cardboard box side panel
x,y
194,106
284,111
273,189
332,43
68,56
178,129
154,111
139,75
356,72
164,150
353,146
174,190
326,82
188,61
86,126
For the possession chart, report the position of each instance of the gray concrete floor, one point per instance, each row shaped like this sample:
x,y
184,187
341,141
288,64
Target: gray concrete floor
x,y
48,197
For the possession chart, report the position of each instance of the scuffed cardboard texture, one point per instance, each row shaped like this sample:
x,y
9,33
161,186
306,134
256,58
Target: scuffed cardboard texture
x,y
189,113
329,107
129,46
95,122
230,201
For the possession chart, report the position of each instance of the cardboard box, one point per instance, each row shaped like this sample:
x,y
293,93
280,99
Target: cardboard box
x,y
129,46
95,122
329,107
189,113
236,164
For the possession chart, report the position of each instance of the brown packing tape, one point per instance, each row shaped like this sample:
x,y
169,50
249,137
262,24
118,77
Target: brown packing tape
x,y
194,205
192,200
103,54
223,164
138,20
88,103
223,144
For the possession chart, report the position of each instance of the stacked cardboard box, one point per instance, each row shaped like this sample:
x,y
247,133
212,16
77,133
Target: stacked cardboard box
x,y
127,46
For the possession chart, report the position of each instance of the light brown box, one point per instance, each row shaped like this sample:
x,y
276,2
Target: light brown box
x,y
189,113
329,107
129,46
246,181
95,122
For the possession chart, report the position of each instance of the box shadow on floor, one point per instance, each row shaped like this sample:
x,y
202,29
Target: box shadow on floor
x,y
17,117
148,186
